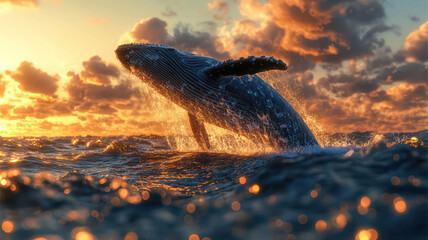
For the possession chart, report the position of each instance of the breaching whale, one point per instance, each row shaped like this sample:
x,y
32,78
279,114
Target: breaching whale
x,y
226,94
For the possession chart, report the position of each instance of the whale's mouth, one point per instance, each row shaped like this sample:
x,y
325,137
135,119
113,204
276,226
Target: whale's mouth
x,y
127,53
123,54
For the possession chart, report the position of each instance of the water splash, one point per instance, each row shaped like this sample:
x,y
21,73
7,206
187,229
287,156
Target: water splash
x,y
175,123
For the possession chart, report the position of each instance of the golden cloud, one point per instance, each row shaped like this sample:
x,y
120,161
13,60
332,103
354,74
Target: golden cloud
x,y
321,31
416,45
221,6
20,3
34,80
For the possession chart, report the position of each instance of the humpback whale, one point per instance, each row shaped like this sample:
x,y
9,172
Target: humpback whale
x,y
226,94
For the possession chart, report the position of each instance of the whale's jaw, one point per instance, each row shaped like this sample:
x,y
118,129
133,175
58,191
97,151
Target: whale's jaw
x,y
122,54
134,55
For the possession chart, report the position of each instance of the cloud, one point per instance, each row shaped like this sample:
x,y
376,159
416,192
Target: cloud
x,y
406,96
34,80
168,12
154,30
80,90
416,45
209,25
5,109
252,40
345,85
364,79
411,72
2,86
321,31
99,71
85,95
114,95
85,106
301,32
41,109
370,79
400,108
203,43
414,19
221,6
21,3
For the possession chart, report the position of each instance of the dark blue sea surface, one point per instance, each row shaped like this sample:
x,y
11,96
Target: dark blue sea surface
x,y
138,187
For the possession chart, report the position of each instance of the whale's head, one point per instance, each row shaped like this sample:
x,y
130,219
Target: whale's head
x,y
158,64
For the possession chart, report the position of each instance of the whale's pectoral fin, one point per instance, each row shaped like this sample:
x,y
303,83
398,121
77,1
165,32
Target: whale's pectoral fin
x,y
199,132
245,66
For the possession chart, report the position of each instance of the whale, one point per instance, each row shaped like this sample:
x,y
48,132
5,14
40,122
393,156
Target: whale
x,y
227,94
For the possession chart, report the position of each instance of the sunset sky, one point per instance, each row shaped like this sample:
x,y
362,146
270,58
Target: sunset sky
x,y
354,65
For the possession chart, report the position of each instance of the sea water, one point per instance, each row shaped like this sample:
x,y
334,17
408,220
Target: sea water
x,y
139,187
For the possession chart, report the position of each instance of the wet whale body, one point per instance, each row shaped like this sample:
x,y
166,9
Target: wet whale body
x,y
226,94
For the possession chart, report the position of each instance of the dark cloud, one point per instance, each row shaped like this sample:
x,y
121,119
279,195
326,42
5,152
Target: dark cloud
x,y
400,108
41,108
345,85
415,19
154,30
95,108
416,45
34,80
195,41
80,91
99,71
210,26
323,31
325,108
411,72
380,61
168,12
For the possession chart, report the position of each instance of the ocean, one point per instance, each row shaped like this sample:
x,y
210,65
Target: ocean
x,y
370,186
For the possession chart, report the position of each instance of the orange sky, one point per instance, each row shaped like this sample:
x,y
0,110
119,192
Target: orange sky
x,y
353,65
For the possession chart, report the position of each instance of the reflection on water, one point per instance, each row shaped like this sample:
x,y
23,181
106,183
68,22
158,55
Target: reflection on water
x,y
138,187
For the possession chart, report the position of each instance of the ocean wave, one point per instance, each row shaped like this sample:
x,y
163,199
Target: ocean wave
x,y
58,187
